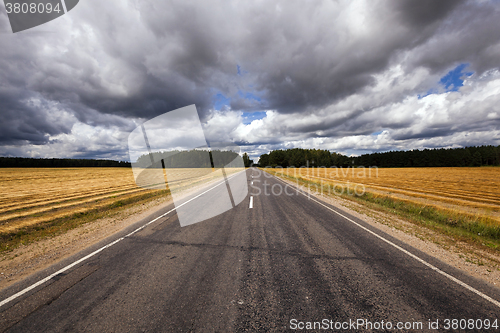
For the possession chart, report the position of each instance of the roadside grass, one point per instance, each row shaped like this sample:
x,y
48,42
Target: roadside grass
x,y
32,233
469,228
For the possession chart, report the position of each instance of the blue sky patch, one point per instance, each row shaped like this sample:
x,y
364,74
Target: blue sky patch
x,y
220,101
240,70
249,95
454,79
248,117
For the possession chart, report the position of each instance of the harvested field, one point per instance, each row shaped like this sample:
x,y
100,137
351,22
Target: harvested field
x,y
470,191
31,196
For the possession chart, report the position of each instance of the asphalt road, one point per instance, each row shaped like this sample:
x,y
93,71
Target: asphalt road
x,y
286,261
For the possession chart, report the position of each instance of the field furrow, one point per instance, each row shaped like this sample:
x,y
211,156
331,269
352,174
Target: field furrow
x,y
467,190
9,205
31,196
5,216
488,201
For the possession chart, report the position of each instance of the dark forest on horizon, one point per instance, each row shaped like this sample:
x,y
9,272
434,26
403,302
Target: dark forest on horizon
x,y
451,157
298,157
27,162
172,159
191,159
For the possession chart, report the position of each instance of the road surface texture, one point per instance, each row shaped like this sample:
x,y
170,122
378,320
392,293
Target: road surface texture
x,y
284,262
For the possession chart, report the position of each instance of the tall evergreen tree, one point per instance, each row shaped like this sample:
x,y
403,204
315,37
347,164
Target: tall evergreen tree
x,y
476,159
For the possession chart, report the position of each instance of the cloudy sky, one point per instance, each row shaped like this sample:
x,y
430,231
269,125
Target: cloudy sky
x,y
347,76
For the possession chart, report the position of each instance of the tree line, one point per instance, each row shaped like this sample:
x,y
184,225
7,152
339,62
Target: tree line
x,y
188,159
26,162
452,157
172,159
298,157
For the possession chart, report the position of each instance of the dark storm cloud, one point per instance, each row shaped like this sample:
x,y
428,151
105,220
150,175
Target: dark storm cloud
x,y
429,132
469,36
333,61
294,56
109,64
421,13
25,119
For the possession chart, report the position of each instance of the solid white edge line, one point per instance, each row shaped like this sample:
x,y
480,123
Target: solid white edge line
x,y
454,279
251,202
33,286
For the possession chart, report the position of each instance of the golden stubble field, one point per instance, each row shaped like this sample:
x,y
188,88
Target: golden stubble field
x,y
471,191
34,195
31,196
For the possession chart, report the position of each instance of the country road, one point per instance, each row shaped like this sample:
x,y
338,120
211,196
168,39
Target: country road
x,y
276,261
